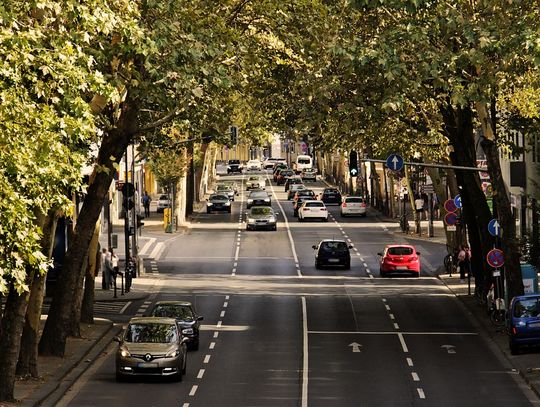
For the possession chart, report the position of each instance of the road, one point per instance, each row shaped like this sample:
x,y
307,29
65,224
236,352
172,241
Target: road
x,y
277,332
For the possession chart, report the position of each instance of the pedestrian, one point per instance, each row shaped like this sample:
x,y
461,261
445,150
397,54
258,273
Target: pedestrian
x,y
426,205
106,268
146,203
436,207
419,206
114,266
462,263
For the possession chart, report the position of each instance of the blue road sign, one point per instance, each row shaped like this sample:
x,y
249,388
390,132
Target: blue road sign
x,y
457,201
495,258
494,228
394,162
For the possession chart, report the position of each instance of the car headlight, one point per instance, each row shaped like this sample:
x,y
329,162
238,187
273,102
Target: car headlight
x,y
266,199
173,353
124,353
251,220
227,203
521,323
209,204
250,200
187,331
272,219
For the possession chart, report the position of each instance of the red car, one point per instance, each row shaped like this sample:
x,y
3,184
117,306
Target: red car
x,y
399,258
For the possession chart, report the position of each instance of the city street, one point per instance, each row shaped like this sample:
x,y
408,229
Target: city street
x,y
278,332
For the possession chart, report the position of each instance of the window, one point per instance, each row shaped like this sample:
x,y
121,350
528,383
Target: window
x,y
173,311
527,308
151,333
400,251
334,247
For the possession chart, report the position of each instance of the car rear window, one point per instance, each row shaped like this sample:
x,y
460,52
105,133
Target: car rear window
x,y
314,204
334,246
354,200
304,161
527,308
400,251
331,191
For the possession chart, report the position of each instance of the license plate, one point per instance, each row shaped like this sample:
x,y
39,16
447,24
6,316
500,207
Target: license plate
x,y
402,268
146,365
331,196
333,260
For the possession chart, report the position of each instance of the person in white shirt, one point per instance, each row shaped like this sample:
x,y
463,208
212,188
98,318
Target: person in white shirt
x,y
419,205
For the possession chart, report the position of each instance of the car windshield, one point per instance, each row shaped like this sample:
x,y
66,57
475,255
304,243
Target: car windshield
x,y
164,197
527,308
234,162
151,333
223,187
334,247
261,211
219,198
354,200
400,251
173,311
309,170
258,195
253,178
286,173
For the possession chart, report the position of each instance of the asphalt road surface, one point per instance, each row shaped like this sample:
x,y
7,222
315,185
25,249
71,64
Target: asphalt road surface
x,y
278,332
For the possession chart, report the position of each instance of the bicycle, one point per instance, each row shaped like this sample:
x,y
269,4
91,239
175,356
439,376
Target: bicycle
x,y
404,223
496,308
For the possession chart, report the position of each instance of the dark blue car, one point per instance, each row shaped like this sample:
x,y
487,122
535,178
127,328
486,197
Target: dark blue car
x,y
523,322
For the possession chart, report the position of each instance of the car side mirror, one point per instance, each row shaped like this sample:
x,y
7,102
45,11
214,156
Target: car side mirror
x,y
185,339
379,254
350,246
314,247
276,213
200,318
418,253
117,339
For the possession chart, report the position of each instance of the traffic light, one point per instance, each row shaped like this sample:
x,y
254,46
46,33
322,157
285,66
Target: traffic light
x,y
353,163
128,193
140,223
234,135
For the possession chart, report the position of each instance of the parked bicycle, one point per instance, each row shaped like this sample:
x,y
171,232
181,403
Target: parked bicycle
x,y
496,308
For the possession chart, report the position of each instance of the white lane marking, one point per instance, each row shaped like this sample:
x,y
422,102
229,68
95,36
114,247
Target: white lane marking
x,y
293,248
193,390
212,345
234,271
396,325
410,362
415,376
403,344
361,259
146,247
235,264
216,334
185,405
368,271
227,297
364,264
237,251
305,364
125,307
222,314
206,359
393,333
225,304
392,316
421,393
144,306
344,235
384,299
157,250
371,276
200,374
219,324
387,307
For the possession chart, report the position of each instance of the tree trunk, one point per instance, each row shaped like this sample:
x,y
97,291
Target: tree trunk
x,y
53,339
28,354
74,326
94,260
10,339
458,128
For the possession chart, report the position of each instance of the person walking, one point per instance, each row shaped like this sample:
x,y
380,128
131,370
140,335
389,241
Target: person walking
x,y
462,263
436,207
114,266
106,268
146,203
419,206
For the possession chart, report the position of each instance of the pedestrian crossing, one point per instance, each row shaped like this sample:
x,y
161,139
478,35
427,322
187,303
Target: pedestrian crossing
x,y
101,307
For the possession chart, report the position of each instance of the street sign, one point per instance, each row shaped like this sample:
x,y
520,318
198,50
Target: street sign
x,y
450,206
495,258
457,201
450,219
494,228
428,189
394,162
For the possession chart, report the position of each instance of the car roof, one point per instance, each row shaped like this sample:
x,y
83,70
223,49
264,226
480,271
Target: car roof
x,y
389,246
314,200
152,320
182,303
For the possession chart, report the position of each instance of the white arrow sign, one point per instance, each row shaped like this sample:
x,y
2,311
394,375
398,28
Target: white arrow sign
x,y
395,161
353,172
355,347
449,348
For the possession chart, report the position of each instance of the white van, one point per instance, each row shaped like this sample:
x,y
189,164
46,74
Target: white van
x,y
302,162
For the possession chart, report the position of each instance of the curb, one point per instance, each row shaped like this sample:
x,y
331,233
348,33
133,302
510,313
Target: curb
x,y
53,390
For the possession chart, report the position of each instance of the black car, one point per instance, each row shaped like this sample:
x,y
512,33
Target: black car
x,y
331,196
218,202
282,176
258,198
291,181
185,315
332,252
234,166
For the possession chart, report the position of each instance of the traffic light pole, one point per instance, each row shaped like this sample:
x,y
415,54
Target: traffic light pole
x,y
126,212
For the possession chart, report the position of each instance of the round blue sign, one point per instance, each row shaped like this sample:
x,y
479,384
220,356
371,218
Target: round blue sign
x,y
394,162
457,201
494,228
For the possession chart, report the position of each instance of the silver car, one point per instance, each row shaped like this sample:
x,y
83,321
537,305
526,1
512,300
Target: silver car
x,y
226,189
255,182
261,217
151,347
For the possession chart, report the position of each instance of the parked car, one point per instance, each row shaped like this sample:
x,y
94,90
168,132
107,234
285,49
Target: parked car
x,y
261,217
234,166
399,259
255,182
353,205
218,202
258,198
226,189
283,174
293,189
523,322
309,174
163,202
291,181
151,346
253,165
185,315
331,196
312,210
332,252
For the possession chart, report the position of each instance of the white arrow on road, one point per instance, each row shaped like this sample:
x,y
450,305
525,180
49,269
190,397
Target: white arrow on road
x,y
449,348
355,347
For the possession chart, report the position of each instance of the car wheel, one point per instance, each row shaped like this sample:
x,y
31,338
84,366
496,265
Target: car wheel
x,y
382,273
178,376
247,228
514,349
194,345
364,215
300,219
343,215
208,211
120,378
184,367
325,219
274,228
348,265
317,265
229,210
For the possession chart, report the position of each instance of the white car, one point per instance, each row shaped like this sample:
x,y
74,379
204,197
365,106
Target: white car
x,y
353,205
162,203
312,210
254,165
255,182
